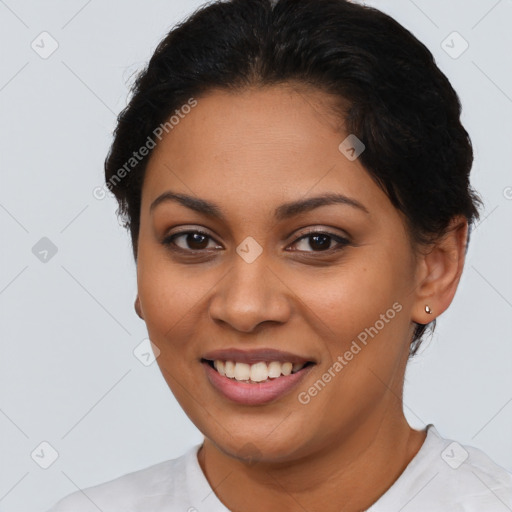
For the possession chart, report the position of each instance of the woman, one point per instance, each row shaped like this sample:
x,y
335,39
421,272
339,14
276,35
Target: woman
x,y
295,179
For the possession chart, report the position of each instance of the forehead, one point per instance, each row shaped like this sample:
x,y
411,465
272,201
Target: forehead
x,y
259,145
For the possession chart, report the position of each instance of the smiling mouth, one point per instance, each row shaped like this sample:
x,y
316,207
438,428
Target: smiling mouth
x,y
256,373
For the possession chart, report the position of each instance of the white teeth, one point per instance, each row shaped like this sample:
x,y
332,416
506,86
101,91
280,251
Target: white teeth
x,y
274,369
229,368
258,372
242,371
219,366
286,368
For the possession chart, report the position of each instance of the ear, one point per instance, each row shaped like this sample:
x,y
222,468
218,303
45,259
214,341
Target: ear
x,y
138,309
439,270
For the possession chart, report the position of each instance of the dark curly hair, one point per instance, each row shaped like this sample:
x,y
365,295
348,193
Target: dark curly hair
x,y
391,93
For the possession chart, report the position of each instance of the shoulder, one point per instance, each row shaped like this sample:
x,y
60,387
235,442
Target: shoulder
x,y
155,488
474,478
447,475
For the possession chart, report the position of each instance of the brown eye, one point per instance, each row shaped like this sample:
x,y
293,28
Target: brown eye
x,y
320,241
190,241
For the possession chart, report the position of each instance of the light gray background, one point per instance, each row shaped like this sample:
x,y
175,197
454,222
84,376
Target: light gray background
x,y
68,329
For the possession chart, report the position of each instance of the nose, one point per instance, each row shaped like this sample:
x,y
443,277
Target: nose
x,y
249,295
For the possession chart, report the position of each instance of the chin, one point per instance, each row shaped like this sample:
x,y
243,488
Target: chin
x,y
263,446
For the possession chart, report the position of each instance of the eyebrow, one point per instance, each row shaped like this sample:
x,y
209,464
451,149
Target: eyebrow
x,y
281,213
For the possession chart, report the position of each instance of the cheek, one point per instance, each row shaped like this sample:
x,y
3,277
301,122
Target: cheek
x,y
362,307
169,296
352,296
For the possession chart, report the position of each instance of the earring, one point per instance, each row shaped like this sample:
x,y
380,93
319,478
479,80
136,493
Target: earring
x,y
428,310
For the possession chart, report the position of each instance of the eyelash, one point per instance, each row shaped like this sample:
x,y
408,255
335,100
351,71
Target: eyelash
x,y
169,242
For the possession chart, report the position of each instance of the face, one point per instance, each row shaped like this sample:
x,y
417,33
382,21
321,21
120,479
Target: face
x,y
265,267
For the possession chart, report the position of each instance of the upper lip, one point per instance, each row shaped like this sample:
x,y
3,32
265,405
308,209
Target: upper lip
x,y
251,356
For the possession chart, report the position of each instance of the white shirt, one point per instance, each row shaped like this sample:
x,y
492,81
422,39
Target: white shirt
x,y
442,476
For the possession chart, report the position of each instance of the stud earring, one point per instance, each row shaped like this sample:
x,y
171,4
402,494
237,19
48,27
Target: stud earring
x,y
428,310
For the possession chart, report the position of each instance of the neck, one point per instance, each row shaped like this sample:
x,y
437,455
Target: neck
x,y
348,475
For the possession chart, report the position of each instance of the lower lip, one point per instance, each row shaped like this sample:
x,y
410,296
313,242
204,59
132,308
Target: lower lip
x,y
257,393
